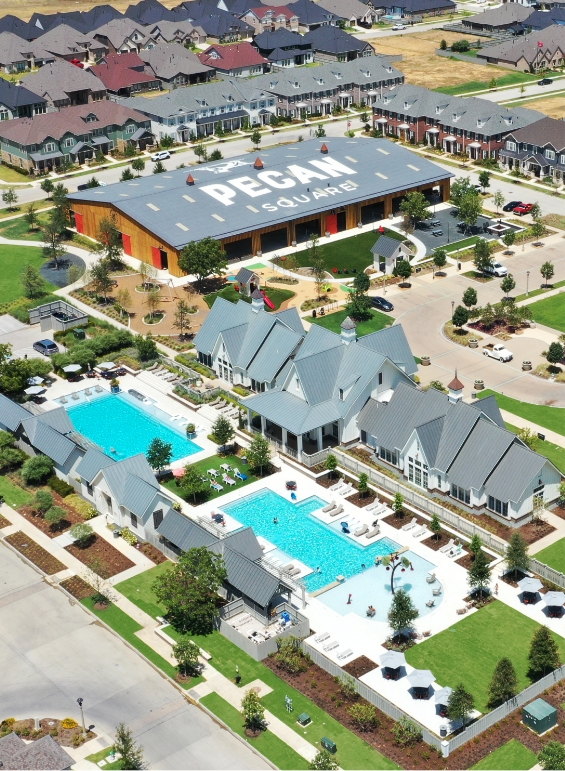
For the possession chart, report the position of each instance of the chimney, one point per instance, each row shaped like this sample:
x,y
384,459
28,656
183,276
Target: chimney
x,y
190,180
324,149
455,390
257,301
348,331
258,164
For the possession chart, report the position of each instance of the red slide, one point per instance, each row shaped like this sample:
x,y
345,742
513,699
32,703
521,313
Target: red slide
x,y
268,301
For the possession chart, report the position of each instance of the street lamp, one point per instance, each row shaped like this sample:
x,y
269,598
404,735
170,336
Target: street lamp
x,y
79,702
527,282
452,308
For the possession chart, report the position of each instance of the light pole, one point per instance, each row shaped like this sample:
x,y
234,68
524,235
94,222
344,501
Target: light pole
x,y
527,283
452,309
79,702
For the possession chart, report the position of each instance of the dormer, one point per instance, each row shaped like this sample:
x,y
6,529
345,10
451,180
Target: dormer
x,y
439,109
508,120
90,118
389,69
295,84
345,388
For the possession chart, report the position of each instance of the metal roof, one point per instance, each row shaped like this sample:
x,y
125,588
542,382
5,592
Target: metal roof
x,y
429,435
540,709
11,413
385,246
223,315
271,357
233,340
129,481
138,495
230,197
243,541
513,475
458,423
391,342
250,579
57,419
92,463
483,448
244,275
184,532
47,440
489,407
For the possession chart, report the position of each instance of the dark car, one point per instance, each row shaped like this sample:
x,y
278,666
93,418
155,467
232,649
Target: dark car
x,y
545,82
381,304
511,205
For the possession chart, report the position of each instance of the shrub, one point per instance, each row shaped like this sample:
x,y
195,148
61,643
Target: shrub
x,y
68,722
82,533
60,486
36,470
129,537
43,501
241,391
55,515
289,655
364,716
460,46
406,732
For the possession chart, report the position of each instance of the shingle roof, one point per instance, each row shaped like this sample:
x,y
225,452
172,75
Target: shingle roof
x,y
11,413
11,23
232,57
58,79
526,46
542,19
117,71
118,30
41,755
509,13
334,40
547,131
169,59
418,6
513,475
348,323
92,463
280,38
314,13
346,8
17,96
13,49
64,40
392,343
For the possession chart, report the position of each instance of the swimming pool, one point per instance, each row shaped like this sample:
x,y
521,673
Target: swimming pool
x,y
123,428
304,537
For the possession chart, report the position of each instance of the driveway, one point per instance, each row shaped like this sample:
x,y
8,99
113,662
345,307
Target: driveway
x,y
52,652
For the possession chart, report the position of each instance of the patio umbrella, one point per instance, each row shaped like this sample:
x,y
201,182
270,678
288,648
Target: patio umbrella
x,y
72,368
554,599
421,678
36,380
442,696
178,472
106,365
393,660
34,390
530,585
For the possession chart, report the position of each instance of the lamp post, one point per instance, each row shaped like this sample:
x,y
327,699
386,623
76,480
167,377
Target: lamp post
x,y
452,308
79,702
527,283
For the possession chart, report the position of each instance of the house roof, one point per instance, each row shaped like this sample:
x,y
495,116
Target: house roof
x,y
48,440
250,579
14,96
244,275
348,9
174,30
13,49
386,247
228,58
509,13
314,13
417,6
392,343
117,30
456,384
526,46
59,79
489,407
133,483
271,357
117,71
169,59
11,23
280,38
242,541
57,419
273,10
513,475
334,40
215,21
542,19
11,413
482,450
41,755
183,532
92,463
64,40
547,131
71,120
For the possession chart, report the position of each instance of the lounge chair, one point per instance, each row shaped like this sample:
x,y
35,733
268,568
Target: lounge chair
x,y
347,489
420,531
215,486
238,475
98,388
430,603
436,592
337,511
228,480
445,549
74,396
461,611
361,531
288,567
220,404
431,578
374,532
213,472
427,633
372,506
329,507
337,486
63,400
294,571
152,367
332,645
378,510
213,404
411,525
322,637
88,392
345,654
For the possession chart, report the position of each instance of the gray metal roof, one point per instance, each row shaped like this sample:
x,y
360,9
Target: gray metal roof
x,y
250,579
513,475
271,357
429,435
387,247
244,275
130,480
184,532
233,340
317,340
138,495
92,463
489,407
11,413
481,452
243,542
58,419
459,421
223,315
217,206
391,342
47,440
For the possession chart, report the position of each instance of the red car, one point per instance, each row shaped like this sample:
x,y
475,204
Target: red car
x,y
524,208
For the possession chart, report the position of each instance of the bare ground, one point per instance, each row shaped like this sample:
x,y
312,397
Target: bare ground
x,y
552,106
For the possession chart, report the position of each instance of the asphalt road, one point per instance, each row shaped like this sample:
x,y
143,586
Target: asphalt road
x,y
532,89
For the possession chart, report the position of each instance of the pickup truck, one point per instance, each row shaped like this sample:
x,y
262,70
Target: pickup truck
x,y
498,352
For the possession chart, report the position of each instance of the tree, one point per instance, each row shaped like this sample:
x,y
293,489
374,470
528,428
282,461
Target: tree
x,y
10,457
131,753
363,716
188,590
544,653
317,265
37,469
516,555
508,239
484,179
166,142
504,683
153,300
536,212
547,271
554,354
476,545
460,188
483,256
127,174
435,526
138,165
53,231
47,186
123,299
498,200
359,305
470,208
222,431
507,284
55,515
363,484
182,317
159,167
59,196
193,483
146,347
10,198
253,712
219,129
31,217
527,436
460,317
403,270
259,453
159,454
439,258
470,297
402,612
203,258
397,504
479,573
537,230
43,501
552,756
256,139
331,464
186,652
33,284
216,155
324,761
201,152
415,206
100,278
273,121
320,132
460,704
109,246
443,45
439,386
492,84
82,532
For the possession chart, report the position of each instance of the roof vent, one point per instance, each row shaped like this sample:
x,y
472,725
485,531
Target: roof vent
x,y
258,164
324,149
190,180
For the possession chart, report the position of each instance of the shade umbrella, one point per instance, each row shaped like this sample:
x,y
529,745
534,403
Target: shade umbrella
x,y
34,390
393,660
530,585
106,365
178,472
421,678
554,599
72,368
36,380
442,696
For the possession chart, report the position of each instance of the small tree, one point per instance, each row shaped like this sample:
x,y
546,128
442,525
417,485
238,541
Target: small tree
x,y
470,208
320,132
43,501
498,200
483,256
439,258
153,300
484,178
317,265
193,483
492,84
182,317
201,152
460,317
537,230
476,545
443,45
508,284
435,526
470,297
460,704
186,652
554,355
273,121
504,683
159,167
406,732
363,716
146,347
159,454
31,217
547,271
398,504
82,533
403,270
253,712
528,437
402,612
37,469
203,258
222,431
414,205
256,138
123,299
53,231
516,556
33,283
508,239
552,756
324,761
479,573
131,753
166,142
138,165
544,653
55,515
363,484
100,279
219,129
47,186
127,174
331,464
259,453
10,198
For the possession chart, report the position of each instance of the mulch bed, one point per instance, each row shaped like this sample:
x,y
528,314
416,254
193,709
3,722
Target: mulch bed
x,y
33,516
435,543
35,553
4,522
356,499
65,737
359,667
533,531
327,481
467,560
152,553
361,501
99,549
77,587
399,522
559,511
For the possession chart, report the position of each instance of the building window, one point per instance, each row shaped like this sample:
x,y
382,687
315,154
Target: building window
x,y
388,455
417,472
69,142
89,489
49,147
510,145
133,520
205,358
498,506
130,128
157,518
550,155
462,495
380,378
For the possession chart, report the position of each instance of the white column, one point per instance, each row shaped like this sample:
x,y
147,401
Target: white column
x,y
320,439
284,438
248,419
263,425
299,445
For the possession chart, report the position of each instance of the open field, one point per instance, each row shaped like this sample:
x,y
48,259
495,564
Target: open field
x,y
512,756
12,260
550,312
350,255
552,106
502,76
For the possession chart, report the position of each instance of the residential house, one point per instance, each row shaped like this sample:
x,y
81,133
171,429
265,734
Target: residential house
x,y
16,26
173,65
355,13
220,25
186,111
42,753
240,60
18,55
149,12
416,9
463,126
505,17
66,43
318,89
539,20
313,15
332,44
124,75
63,84
284,48
537,149
123,36
19,102
530,53
386,253
461,452
183,32
268,18
74,135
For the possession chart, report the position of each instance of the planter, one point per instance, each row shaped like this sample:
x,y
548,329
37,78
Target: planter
x,y
115,389
479,385
473,343
425,361
117,533
526,366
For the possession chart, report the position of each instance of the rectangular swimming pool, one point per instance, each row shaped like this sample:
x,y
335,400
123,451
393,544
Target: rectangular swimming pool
x,y
122,428
307,539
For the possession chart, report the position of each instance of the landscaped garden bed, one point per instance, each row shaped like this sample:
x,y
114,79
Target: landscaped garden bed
x,y
100,556
62,731
360,666
4,522
32,515
278,297
467,559
35,553
435,543
398,522
152,553
78,587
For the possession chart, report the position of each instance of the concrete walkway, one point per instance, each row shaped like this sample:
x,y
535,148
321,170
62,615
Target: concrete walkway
x,y
552,538
516,420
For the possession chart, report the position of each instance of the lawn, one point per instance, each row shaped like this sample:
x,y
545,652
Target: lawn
x,y
462,244
333,321
96,757
12,260
18,229
552,418
351,254
469,651
552,452
511,79
202,467
11,175
539,291
553,555
550,312
13,494
354,753
276,296
476,275
270,745
512,756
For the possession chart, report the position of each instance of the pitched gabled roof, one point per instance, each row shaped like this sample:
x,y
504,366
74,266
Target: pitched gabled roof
x,y
314,13
58,79
250,578
64,40
117,71
118,30
92,463
526,46
279,344
183,532
11,413
169,59
345,8
385,246
41,755
430,435
232,57
242,541
489,407
485,445
392,343
132,483
547,131
280,38
334,40
509,13
48,440
223,315
514,473
17,96
13,49
459,421
57,419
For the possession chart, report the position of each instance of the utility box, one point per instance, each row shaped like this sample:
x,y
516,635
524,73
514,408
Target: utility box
x,y
328,745
539,716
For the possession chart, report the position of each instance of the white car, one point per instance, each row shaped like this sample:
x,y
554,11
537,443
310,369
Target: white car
x,y
499,352
496,269
398,27
162,156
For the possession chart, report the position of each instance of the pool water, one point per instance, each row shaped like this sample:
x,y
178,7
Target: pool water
x,y
305,538
123,429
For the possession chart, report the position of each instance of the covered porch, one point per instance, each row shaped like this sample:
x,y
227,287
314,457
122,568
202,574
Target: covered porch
x,y
295,445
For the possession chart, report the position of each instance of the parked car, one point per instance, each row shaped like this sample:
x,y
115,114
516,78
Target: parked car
x,y
399,27
496,269
161,156
523,208
498,352
46,347
382,304
511,205
545,82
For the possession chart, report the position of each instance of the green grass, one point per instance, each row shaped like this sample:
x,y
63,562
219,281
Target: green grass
x,y
96,757
353,752
126,627
477,276
511,79
553,452
553,555
552,418
333,320
469,651
512,756
202,467
349,253
270,745
18,229
550,312
277,296
13,494
11,175
537,292
12,260
462,244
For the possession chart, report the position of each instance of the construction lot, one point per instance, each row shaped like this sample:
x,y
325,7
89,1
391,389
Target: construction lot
x,y
554,106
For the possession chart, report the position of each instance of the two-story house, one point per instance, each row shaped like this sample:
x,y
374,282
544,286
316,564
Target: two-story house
x,y
65,42
268,18
125,75
284,48
240,60
18,102
18,55
537,149
123,36
63,84
529,53
173,65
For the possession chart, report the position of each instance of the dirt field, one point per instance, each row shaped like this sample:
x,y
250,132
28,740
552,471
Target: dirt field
x,y
422,67
552,106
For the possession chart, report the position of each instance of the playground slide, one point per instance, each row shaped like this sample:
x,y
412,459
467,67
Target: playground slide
x,y
268,301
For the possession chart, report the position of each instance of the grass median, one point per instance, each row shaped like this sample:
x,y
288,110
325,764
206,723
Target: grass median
x,y
512,756
552,418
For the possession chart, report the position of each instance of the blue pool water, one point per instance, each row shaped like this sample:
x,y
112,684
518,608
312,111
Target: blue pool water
x,y
304,537
113,421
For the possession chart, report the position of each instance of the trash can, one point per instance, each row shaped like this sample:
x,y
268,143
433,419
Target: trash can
x,y
314,313
117,533
443,730
328,745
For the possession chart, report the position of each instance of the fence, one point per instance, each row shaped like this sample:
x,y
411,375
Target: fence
x,y
546,572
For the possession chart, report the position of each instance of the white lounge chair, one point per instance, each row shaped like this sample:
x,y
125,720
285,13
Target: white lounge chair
x,y
332,645
411,525
228,480
420,531
98,388
361,531
431,578
329,507
74,396
374,532
322,637
294,571
337,511
347,489
437,591
448,547
372,506
216,401
63,400
345,654
430,603
337,486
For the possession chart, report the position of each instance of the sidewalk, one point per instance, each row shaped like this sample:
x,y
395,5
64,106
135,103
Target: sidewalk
x,y
516,420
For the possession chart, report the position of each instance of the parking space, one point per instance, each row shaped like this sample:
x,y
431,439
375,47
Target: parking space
x,y
445,228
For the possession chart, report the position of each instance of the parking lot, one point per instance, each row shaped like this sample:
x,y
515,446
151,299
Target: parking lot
x,y
445,224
